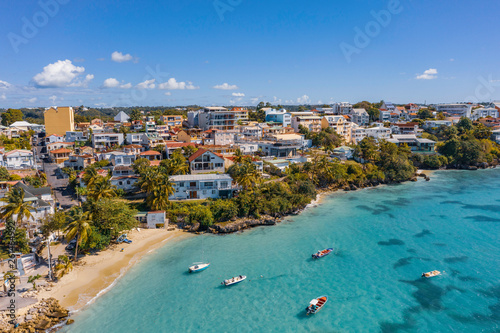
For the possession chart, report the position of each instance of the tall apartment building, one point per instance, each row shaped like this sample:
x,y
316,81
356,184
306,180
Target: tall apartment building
x,y
59,120
216,117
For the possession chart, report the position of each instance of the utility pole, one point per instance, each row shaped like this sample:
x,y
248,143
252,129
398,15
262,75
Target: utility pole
x,y
51,277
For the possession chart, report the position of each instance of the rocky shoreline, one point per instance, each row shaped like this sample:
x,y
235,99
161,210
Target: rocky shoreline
x,y
40,317
265,220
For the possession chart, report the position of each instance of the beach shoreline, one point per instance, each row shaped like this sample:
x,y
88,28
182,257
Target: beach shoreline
x,y
94,275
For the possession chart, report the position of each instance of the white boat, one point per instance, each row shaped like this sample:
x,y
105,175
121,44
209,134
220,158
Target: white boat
x,y
431,274
316,304
198,267
234,280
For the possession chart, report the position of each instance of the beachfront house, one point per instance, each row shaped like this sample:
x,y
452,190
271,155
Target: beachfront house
x,y
215,186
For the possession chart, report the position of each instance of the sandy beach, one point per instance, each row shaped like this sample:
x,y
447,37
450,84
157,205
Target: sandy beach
x,y
95,274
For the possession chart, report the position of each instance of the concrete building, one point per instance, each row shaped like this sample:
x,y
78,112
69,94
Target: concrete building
x,y
360,117
59,120
106,140
18,159
484,112
217,118
455,110
206,186
312,123
335,122
279,116
415,144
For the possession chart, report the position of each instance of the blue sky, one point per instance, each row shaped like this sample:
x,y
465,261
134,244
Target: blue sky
x,y
240,52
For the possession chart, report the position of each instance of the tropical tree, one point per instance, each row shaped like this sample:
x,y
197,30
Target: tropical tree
x,y
63,266
90,176
79,227
177,164
158,198
245,174
15,205
102,188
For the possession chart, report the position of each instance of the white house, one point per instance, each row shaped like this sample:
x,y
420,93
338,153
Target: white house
x,y
122,117
72,136
202,186
484,112
134,138
18,159
360,117
106,140
156,219
436,123
378,132
203,161
457,110
54,138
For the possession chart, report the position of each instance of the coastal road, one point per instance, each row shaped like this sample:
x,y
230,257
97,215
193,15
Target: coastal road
x,y
59,186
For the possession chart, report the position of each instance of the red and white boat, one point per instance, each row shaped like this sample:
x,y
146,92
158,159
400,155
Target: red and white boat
x,y
431,274
322,253
316,304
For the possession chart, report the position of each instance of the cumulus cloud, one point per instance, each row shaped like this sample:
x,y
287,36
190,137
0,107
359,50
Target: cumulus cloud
x,y
62,73
114,83
4,84
304,100
148,84
429,74
111,83
172,84
226,86
238,94
120,57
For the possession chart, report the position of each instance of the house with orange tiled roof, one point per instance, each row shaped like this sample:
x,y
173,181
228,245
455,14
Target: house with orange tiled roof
x,y
18,159
59,145
153,156
204,161
171,146
58,156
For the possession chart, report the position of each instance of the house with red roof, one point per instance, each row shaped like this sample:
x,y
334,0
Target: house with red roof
x,y
58,156
204,161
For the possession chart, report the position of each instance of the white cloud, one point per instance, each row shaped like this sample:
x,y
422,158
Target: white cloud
x,y
168,93
452,59
120,57
4,84
53,99
110,83
226,86
304,100
148,84
32,100
3,97
238,94
254,100
429,74
62,73
172,84
126,86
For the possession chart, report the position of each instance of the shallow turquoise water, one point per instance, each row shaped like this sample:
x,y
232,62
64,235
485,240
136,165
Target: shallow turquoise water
x,y
384,239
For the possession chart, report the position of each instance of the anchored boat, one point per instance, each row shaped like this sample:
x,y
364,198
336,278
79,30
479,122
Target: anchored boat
x,y
431,274
198,267
316,304
234,280
321,254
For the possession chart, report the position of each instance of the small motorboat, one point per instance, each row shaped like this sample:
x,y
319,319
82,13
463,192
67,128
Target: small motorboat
x,y
234,280
316,304
431,274
321,254
198,267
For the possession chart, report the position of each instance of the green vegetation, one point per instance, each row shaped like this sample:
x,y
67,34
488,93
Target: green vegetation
x,y
10,116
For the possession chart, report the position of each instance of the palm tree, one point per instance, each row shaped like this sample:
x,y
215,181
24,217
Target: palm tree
x,y
149,180
158,197
16,206
177,164
63,267
245,174
101,188
90,176
79,227
238,156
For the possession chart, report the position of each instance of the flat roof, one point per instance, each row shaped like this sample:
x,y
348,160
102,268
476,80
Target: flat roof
x,y
180,178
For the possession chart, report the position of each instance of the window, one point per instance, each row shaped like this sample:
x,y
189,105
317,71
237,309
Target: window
x,y
192,184
181,184
120,183
128,182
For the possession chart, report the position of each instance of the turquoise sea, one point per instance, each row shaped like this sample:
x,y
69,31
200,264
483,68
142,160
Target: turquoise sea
x,y
384,238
